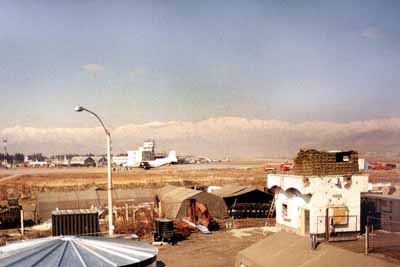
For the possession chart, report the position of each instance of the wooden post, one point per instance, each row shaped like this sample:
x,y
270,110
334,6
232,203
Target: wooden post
x,y
366,239
327,225
126,212
134,210
371,237
22,222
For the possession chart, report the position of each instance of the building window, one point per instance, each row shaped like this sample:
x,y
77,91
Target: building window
x,y
343,157
284,211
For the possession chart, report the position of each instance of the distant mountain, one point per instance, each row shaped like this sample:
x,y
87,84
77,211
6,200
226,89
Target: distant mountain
x,y
216,137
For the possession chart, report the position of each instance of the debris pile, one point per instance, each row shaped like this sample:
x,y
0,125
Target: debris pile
x,y
183,229
141,224
199,213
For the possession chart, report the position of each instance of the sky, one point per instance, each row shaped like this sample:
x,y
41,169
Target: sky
x,y
144,62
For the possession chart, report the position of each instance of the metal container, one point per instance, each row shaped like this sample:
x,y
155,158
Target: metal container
x,y
10,215
75,222
164,230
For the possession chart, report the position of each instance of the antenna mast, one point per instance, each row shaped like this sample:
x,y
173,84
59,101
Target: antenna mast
x,y
5,151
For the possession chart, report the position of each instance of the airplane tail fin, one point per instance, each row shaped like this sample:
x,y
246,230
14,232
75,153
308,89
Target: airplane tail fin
x,y
172,156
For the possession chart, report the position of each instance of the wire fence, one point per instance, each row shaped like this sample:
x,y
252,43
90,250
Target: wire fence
x,y
338,228
383,236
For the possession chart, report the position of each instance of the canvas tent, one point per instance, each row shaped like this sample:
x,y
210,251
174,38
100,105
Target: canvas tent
x,y
46,202
235,194
290,250
175,202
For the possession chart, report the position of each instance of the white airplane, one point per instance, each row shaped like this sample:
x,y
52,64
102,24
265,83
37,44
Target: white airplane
x,y
134,158
38,163
171,159
119,160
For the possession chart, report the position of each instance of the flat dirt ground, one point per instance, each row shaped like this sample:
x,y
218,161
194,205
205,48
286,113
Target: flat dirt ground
x,y
245,172
384,245
218,249
27,182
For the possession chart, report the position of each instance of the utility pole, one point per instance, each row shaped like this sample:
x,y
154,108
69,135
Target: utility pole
x,y
5,151
109,169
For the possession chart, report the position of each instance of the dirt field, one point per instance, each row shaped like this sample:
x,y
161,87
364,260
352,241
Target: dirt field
x,y
142,178
204,250
392,176
218,249
174,173
221,248
27,182
215,250
242,172
383,245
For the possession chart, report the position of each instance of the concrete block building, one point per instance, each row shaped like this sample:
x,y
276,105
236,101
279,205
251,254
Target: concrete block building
x,y
322,196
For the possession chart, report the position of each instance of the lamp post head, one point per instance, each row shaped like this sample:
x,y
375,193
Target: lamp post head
x,y
79,108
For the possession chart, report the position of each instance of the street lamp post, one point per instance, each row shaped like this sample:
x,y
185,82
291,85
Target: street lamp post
x,y
109,189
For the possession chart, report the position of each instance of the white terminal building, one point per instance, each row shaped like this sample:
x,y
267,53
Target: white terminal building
x,y
322,196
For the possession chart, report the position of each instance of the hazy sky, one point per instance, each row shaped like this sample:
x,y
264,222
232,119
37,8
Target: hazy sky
x,y
141,61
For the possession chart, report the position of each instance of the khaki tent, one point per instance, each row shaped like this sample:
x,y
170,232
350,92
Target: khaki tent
x,y
46,202
290,250
175,202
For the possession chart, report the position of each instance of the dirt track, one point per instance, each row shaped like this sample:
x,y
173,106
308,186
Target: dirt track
x,y
26,183
215,250
384,245
70,179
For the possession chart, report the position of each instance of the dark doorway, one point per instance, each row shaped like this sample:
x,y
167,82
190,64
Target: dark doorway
x,y
306,222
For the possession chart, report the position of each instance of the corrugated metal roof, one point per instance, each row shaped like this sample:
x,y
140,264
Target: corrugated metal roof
x,y
77,251
381,196
233,190
75,211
